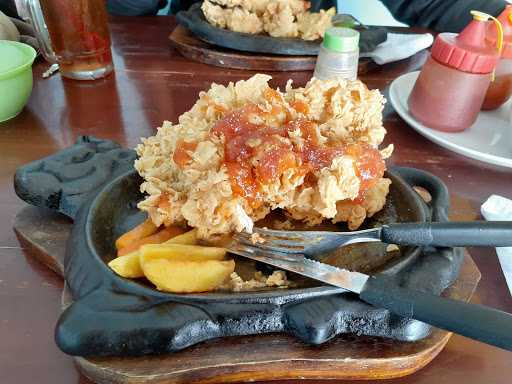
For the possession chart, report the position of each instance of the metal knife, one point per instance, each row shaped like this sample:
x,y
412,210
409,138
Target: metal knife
x,y
478,322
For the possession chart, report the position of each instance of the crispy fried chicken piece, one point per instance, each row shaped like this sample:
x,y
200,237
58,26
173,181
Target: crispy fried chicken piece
x,y
297,6
202,170
355,213
241,20
312,26
256,6
235,19
214,14
279,20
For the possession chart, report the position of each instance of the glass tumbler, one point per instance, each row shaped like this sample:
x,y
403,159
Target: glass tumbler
x,y
72,33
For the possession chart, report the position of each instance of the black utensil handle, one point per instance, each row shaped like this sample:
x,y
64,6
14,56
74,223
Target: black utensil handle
x,y
474,321
450,234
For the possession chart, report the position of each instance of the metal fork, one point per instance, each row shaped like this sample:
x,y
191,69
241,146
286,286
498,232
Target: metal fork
x,y
449,234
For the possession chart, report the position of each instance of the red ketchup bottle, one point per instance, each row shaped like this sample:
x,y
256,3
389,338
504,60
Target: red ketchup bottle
x,y
451,86
500,89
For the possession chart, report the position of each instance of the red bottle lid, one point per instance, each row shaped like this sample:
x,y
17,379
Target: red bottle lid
x,y
468,51
492,34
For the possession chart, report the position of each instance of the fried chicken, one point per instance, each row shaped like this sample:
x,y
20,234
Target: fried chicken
x,y
215,14
235,19
245,149
241,20
278,18
312,26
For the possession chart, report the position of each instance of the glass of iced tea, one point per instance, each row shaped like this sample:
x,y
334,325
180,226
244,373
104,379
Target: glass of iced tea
x,y
74,34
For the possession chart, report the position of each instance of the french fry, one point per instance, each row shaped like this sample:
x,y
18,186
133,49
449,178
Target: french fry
x,y
127,266
157,238
179,252
170,259
187,276
188,238
144,229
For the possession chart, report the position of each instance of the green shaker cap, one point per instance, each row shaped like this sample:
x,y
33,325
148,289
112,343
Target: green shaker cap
x,y
341,39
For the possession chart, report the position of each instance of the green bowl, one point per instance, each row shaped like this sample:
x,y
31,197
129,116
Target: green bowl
x,y
15,77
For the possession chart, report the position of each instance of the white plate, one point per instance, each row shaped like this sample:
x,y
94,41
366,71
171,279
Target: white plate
x,y
488,140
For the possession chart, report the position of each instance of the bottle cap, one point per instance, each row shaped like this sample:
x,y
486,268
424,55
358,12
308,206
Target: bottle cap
x,y
492,34
469,51
341,39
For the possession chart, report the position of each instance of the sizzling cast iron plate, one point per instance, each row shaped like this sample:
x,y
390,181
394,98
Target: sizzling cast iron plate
x,y
193,19
94,183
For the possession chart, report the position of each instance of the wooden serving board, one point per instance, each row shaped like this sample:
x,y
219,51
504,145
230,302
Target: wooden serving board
x,y
198,50
43,235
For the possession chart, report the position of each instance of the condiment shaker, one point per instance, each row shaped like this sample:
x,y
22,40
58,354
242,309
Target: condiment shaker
x,y
500,89
339,54
451,86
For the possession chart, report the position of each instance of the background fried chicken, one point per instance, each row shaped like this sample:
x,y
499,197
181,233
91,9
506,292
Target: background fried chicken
x,y
236,19
312,26
278,18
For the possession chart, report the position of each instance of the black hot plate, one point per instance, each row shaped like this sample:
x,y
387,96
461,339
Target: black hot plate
x,y
94,183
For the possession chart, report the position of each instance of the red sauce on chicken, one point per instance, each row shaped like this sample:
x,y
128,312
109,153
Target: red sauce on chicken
x,y
314,155
300,107
245,138
255,154
243,182
181,156
369,164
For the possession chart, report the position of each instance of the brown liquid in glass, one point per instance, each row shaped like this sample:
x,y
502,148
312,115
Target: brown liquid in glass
x,y
79,34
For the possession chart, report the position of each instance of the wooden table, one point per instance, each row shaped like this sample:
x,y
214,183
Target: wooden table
x,y
153,83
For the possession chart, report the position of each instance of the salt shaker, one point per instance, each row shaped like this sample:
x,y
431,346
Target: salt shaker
x,y
339,54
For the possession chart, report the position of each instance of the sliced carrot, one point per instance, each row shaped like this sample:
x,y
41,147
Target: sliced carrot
x,y
144,229
157,238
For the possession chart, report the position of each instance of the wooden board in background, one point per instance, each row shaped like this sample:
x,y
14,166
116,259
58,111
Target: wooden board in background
x,y
195,49
251,358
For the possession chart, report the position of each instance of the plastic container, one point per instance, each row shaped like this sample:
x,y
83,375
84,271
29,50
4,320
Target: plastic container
x,y
15,77
451,87
339,54
500,89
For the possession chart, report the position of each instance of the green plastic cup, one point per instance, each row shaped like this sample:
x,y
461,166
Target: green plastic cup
x,y
15,77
